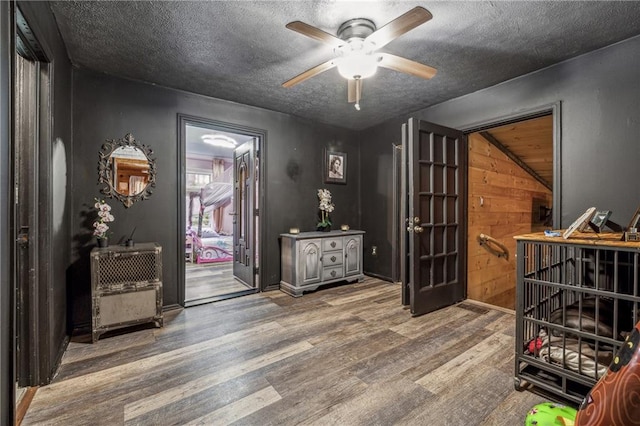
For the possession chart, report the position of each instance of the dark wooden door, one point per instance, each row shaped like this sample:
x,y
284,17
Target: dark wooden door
x,y
244,178
435,221
25,220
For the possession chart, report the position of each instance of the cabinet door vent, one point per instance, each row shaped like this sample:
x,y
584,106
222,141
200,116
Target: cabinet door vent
x,y
123,268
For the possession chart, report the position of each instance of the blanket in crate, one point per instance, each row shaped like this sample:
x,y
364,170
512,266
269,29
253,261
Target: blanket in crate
x,y
574,355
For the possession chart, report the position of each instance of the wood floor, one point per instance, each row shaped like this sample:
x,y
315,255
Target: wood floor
x,y
345,355
208,280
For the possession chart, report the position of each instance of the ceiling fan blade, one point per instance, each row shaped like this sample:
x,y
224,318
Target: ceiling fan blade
x,y
406,66
310,73
354,90
402,24
314,33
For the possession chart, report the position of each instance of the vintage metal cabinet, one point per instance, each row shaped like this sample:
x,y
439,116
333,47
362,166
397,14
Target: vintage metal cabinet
x,y
312,259
126,287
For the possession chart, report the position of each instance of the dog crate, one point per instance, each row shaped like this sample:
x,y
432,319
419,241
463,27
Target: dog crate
x,y
576,300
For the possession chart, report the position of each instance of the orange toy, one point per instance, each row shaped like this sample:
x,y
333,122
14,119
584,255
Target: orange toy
x,y
615,399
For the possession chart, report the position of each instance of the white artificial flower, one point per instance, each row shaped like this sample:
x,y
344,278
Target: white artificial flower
x,y
104,216
325,204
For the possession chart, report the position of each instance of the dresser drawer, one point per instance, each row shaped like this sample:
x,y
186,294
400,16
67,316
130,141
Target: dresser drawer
x,y
330,258
331,273
332,244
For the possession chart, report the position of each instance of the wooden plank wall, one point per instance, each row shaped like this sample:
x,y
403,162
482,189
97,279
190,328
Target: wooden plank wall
x,y
500,205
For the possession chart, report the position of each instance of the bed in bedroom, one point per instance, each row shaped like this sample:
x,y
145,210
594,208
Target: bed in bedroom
x,y
212,247
208,243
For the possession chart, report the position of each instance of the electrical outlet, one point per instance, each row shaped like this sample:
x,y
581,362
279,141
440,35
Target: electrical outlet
x,y
374,250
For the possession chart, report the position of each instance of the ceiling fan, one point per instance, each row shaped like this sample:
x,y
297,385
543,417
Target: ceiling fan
x,y
356,48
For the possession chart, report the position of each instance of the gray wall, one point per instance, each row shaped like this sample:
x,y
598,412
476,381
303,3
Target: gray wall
x,y
106,107
600,96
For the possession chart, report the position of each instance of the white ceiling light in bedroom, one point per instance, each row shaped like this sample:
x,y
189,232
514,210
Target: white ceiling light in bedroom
x,y
219,140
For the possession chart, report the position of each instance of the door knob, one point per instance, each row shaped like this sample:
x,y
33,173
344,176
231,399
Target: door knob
x,y
418,229
409,229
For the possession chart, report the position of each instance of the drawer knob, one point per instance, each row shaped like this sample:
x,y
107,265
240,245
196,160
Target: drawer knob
x,y
333,273
333,258
333,244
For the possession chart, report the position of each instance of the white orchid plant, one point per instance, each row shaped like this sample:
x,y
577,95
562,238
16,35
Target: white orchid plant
x,y
104,216
326,207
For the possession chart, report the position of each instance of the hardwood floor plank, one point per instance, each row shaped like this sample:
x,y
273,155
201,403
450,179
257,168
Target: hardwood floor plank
x,y
205,402
300,372
402,359
210,279
319,392
464,402
372,407
347,354
80,352
240,408
157,400
513,409
109,376
454,344
464,364
358,297
425,324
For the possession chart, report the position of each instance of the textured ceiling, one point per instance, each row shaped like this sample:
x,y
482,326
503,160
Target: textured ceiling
x,y
241,50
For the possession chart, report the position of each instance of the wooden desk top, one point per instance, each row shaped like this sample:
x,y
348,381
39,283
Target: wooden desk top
x,y
609,239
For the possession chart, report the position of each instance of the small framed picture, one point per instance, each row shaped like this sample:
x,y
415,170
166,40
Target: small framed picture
x,y
335,167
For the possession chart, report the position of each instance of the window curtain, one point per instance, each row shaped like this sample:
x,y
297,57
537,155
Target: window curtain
x,y
218,170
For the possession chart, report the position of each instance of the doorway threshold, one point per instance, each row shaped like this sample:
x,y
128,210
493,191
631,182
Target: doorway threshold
x,y
204,300
489,306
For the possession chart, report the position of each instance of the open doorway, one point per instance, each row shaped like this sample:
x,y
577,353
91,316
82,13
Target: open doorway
x,y
510,192
483,166
220,211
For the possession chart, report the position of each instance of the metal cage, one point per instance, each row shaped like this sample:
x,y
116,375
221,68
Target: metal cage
x,y
575,303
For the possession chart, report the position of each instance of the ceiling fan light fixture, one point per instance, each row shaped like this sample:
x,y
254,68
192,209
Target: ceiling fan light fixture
x,y
219,140
357,66
356,48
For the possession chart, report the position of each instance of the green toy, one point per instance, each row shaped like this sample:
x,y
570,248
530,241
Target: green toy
x,y
550,414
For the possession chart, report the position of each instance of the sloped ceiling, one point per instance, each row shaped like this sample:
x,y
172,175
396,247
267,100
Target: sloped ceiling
x,y
531,143
241,51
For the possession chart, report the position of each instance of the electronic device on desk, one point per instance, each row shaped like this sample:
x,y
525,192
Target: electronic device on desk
x,y
601,220
631,233
595,220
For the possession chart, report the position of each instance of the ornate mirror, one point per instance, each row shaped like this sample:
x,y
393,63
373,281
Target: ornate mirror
x,y
127,170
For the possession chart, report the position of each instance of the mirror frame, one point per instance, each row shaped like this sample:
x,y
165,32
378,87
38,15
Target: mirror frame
x,y
105,170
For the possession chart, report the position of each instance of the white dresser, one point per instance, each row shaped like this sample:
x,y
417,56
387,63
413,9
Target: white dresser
x,y
312,259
